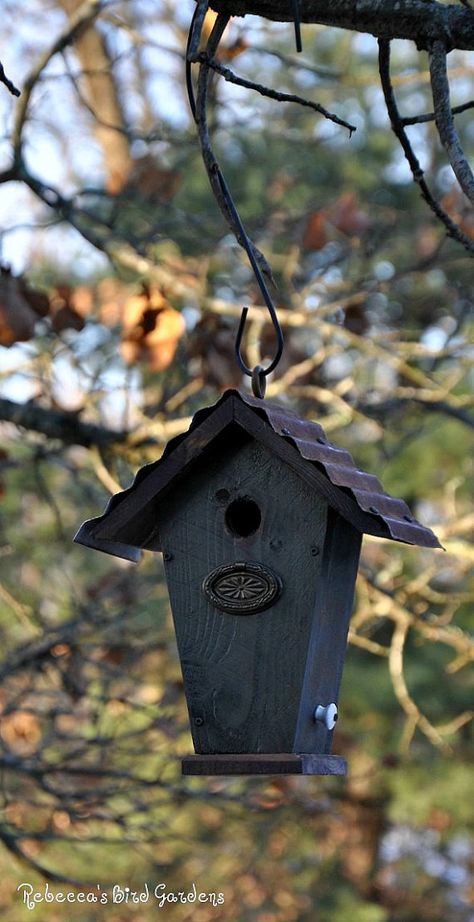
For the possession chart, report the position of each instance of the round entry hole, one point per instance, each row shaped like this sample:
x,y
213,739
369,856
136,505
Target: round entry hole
x,y
243,517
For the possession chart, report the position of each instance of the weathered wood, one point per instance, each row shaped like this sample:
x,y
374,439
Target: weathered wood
x,y
243,674
138,507
260,521
328,640
336,497
269,764
131,517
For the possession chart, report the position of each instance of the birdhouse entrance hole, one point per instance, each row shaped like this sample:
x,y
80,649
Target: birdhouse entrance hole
x,y
243,517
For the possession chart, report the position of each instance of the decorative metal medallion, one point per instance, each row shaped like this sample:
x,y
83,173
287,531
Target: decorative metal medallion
x,y
242,588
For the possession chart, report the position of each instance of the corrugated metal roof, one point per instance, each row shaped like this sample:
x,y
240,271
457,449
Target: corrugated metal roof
x,y
378,513
338,464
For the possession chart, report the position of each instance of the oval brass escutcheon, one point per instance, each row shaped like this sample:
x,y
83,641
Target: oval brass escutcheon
x,y
242,588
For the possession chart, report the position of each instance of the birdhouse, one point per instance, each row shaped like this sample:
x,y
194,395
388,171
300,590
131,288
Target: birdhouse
x,y
259,519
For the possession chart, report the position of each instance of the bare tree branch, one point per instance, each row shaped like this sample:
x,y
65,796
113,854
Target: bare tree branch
x,y
430,116
8,83
56,424
399,131
445,121
230,77
421,21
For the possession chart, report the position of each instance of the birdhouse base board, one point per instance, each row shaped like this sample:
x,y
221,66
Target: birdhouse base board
x,y
279,763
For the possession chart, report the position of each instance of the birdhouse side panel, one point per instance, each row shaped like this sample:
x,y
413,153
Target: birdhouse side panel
x,y
242,542
328,641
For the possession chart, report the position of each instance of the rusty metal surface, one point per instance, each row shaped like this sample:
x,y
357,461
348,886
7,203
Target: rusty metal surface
x,y
384,515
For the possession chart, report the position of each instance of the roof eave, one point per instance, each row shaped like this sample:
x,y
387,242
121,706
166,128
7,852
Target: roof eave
x,y
312,455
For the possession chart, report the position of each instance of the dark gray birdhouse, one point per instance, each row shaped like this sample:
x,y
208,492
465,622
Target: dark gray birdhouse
x,y
260,520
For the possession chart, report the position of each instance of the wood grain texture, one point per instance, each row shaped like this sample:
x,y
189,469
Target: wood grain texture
x,y
243,676
328,641
136,513
270,764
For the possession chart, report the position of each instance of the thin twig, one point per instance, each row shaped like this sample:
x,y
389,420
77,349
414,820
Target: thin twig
x,y
297,22
430,116
8,83
324,73
231,77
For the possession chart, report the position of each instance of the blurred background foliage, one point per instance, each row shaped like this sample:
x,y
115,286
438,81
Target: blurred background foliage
x,y
119,299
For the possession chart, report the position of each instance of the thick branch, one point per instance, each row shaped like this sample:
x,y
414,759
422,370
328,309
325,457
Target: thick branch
x,y
445,121
400,133
421,21
56,424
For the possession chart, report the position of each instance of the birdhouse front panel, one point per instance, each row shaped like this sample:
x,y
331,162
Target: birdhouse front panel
x,y
243,541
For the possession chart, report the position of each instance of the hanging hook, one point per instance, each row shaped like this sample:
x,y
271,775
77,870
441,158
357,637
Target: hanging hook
x,y
194,37
297,22
258,374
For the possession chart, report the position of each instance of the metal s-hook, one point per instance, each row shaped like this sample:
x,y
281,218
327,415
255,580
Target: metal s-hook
x,y
194,37
258,374
222,191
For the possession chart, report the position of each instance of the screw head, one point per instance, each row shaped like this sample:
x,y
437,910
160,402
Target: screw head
x,y
326,715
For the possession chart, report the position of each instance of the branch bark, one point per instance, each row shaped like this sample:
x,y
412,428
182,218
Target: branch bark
x,y
445,121
58,424
420,21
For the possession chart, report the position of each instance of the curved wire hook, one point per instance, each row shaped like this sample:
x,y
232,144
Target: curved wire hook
x,y
263,288
194,36
258,374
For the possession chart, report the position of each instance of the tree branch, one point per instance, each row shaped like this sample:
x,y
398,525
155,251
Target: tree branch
x,y
8,83
445,122
431,116
230,77
420,21
400,133
58,424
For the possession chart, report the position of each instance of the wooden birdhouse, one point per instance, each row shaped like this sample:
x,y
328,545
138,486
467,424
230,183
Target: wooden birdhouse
x,y
260,521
